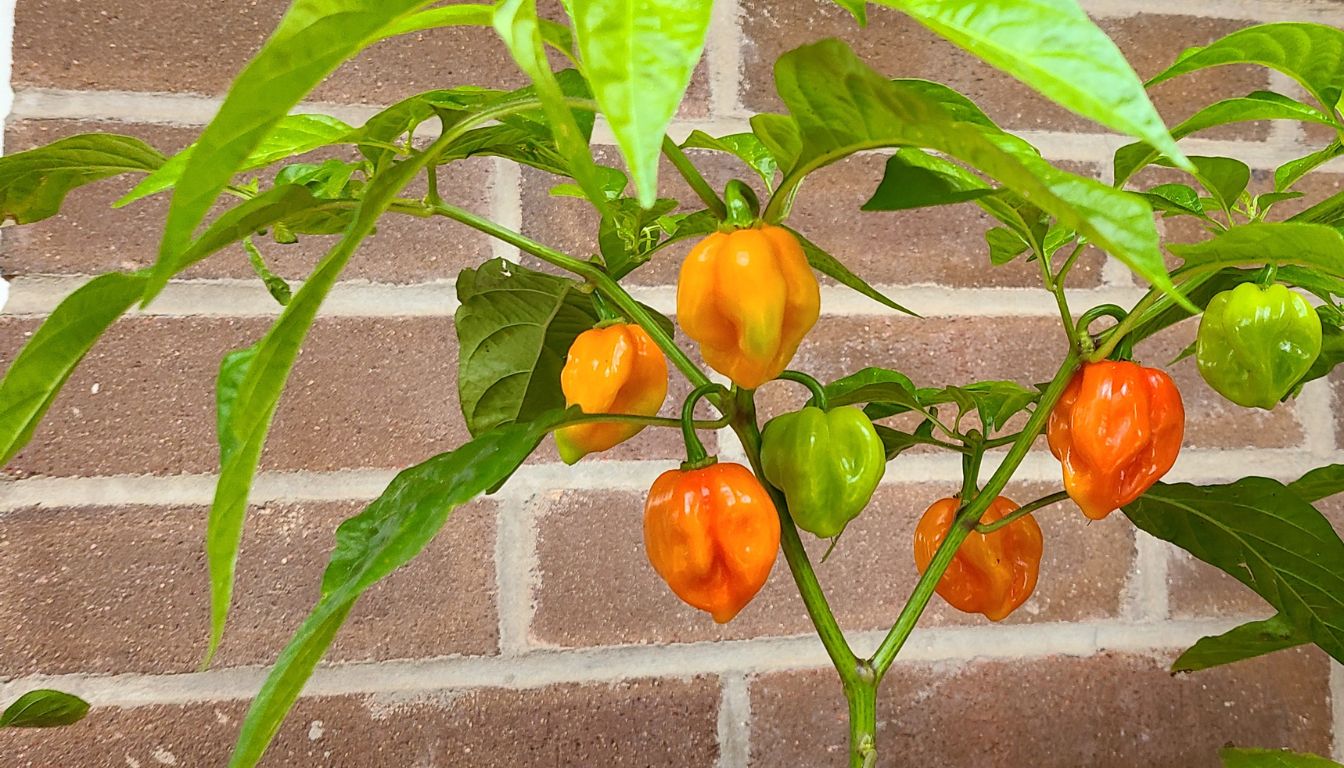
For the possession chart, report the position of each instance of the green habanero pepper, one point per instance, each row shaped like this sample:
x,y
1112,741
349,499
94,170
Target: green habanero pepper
x,y
1256,343
827,463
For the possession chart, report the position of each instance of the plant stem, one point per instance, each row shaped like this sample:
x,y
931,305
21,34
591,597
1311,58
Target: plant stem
x,y
1022,512
968,518
692,176
862,699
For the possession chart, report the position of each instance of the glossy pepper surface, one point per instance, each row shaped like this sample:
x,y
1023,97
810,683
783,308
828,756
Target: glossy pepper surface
x,y
614,369
1116,431
992,573
748,297
1255,343
827,463
712,534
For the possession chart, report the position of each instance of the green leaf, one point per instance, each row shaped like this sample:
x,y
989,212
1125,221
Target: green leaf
x,y
389,533
292,135
1244,642
312,40
1264,535
885,392
1180,199
1308,245
779,134
1271,758
45,363
842,107
857,8
1292,171
639,56
1329,211
33,184
252,216
1261,105
258,393
915,179
995,401
1319,483
896,442
827,264
1074,64
1223,177
747,147
555,35
1311,54
44,708
1004,245
514,329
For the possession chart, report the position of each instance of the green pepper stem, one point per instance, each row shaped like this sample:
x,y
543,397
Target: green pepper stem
x,y
1022,511
818,391
744,208
696,456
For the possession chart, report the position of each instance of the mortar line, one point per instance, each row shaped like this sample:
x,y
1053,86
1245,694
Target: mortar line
x,y
515,574
506,206
1314,409
1242,10
7,8
723,59
1147,596
608,664
734,723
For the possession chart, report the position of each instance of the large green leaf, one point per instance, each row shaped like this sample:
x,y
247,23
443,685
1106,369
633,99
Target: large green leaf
x,y
1319,483
293,135
1309,245
916,179
842,107
385,536
639,56
1052,46
514,329
45,363
1271,758
1292,171
1244,642
313,38
1264,535
44,708
252,216
1311,54
33,184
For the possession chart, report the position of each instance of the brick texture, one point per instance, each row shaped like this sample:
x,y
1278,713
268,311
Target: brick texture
x,y
102,515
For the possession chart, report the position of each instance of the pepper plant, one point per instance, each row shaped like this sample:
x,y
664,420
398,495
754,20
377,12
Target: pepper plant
x,y
569,351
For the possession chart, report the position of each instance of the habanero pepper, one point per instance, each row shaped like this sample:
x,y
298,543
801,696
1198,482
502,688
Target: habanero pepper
x,y
712,534
1255,344
748,297
1116,430
992,573
613,369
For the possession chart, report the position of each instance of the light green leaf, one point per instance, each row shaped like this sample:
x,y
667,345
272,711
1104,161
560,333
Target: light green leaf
x,y
1180,199
1244,642
275,285
44,708
1004,245
1292,171
639,56
1052,46
1223,177
312,40
555,35
828,265
747,147
33,184
1308,245
1271,758
779,134
857,8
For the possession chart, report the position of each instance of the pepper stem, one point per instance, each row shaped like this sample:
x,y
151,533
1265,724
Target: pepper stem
x,y
744,208
696,456
1125,349
1270,274
818,391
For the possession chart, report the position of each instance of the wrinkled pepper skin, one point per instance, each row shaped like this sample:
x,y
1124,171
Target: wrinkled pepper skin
x,y
712,534
1116,431
615,369
748,297
992,573
827,463
1255,343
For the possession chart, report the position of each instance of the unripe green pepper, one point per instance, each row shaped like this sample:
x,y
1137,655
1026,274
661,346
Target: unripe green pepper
x,y
827,463
1256,343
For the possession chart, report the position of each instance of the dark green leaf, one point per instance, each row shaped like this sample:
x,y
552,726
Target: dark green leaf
x,y
827,264
1291,172
33,184
747,147
911,180
896,442
1223,177
254,215
885,392
514,329
1319,483
1271,758
1175,199
44,708
1004,245
1244,642
995,401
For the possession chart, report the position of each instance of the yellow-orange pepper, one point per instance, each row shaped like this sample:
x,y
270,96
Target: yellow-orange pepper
x,y
615,369
1116,430
992,573
712,534
748,297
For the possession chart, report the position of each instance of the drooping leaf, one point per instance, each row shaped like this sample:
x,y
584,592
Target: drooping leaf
x,y
1179,199
514,328
639,57
1271,758
275,285
1244,642
389,533
1052,46
34,183
915,179
44,708
1319,483
828,265
747,147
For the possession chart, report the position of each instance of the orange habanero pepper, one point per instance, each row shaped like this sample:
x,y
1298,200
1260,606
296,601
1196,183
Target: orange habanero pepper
x,y
992,573
614,369
1116,431
712,534
748,297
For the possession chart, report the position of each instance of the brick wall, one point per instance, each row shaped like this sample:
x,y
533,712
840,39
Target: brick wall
x,y
533,633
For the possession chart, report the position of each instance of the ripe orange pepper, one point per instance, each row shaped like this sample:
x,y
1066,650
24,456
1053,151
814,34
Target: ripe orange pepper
x,y
712,534
748,297
1116,431
993,573
614,369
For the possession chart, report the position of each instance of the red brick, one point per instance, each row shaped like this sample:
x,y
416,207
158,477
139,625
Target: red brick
x,y
125,589
646,723
1108,711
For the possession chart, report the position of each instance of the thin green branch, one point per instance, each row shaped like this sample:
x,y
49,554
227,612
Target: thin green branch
x,y
693,177
1022,512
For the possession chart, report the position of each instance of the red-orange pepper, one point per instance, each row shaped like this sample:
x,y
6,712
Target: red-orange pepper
x,y
1116,431
992,573
712,534
614,369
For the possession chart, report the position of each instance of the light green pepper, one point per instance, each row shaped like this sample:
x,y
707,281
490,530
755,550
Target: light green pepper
x,y
1256,343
